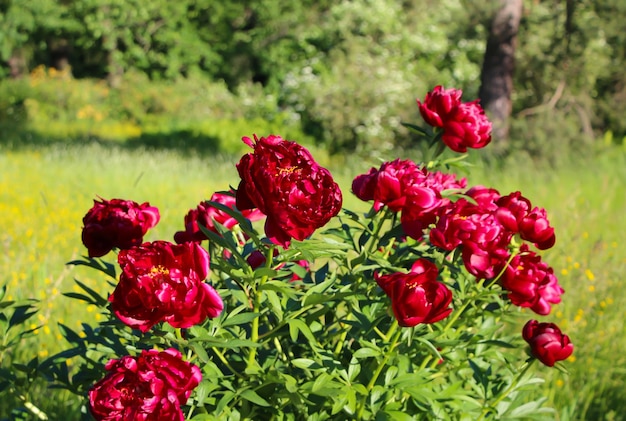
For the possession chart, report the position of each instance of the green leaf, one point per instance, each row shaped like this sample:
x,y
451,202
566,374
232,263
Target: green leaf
x,y
303,328
70,335
305,363
366,353
21,314
416,129
99,300
100,265
198,348
252,396
240,319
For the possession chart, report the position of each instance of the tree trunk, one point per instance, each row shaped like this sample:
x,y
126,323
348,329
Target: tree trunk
x,y
496,79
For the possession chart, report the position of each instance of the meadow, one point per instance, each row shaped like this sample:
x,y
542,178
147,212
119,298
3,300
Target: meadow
x,y
45,191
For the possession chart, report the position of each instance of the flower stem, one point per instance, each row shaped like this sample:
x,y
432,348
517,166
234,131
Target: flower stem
x,y
507,391
254,334
393,342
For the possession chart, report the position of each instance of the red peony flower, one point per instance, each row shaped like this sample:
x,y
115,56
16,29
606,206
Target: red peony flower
x,y
417,296
364,185
161,281
532,224
282,180
483,239
439,104
535,227
205,215
464,124
424,200
547,343
468,127
150,387
531,283
116,223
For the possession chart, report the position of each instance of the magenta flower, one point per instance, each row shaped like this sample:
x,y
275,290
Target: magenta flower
x,y
531,283
464,124
516,214
161,281
547,343
439,105
150,387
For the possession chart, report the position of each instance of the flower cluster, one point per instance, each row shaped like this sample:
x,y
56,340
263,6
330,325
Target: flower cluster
x,y
481,223
464,124
441,231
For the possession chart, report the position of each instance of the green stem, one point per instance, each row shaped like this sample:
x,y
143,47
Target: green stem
x,y
223,359
256,305
393,342
379,225
507,391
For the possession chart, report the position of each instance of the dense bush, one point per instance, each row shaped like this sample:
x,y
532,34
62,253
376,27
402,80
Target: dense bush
x,y
191,113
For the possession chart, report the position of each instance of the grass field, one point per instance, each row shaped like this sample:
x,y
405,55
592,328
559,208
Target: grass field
x,y
45,192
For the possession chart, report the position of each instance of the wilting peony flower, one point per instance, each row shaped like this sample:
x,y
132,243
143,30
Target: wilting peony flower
x,y
205,215
161,281
283,181
547,343
116,223
417,296
464,124
150,387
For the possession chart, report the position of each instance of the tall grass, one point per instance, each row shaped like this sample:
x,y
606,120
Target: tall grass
x,y
45,192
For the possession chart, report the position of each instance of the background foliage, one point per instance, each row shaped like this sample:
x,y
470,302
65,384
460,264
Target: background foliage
x,y
337,71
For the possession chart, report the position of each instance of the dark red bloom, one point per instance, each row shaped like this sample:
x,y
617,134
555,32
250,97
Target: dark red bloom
x,y
531,283
464,124
547,343
512,208
206,215
150,387
283,181
161,281
116,223
417,296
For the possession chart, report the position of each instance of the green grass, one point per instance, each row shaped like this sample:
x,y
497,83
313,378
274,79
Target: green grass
x,y
45,192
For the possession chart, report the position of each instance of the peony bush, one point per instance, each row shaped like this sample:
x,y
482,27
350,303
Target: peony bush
x,y
274,302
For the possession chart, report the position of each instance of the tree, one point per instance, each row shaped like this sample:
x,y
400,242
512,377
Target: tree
x,y
496,81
